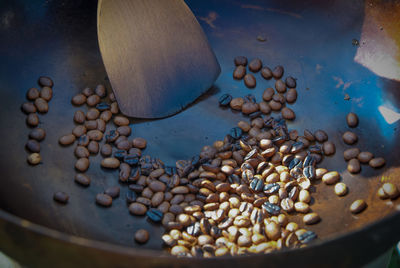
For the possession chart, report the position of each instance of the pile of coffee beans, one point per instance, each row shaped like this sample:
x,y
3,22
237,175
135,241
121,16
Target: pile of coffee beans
x,y
37,104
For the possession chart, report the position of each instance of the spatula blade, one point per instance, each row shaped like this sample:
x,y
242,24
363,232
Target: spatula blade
x,y
156,55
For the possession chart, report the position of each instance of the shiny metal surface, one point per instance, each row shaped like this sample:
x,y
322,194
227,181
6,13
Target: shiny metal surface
x,y
312,40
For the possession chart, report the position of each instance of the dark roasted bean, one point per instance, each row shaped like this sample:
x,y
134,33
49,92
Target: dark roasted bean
x,y
235,132
240,60
297,147
120,154
307,237
88,91
352,120
309,161
249,81
353,166
154,215
315,149
271,208
83,140
142,236
349,137
131,160
278,72
287,160
102,106
271,188
110,162
225,100
103,200
46,93
78,99
32,120
32,94
309,172
377,162
113,191
33,146
101,91
41,105
45,81
61,197
321,136
37,134
82,179
255,65
28,108
136,188
295,162
93,147
81,152
266,73
239,72
67,139
250,98
290,82
257,185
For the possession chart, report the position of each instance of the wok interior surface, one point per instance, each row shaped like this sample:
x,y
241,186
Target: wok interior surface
x,y
312,40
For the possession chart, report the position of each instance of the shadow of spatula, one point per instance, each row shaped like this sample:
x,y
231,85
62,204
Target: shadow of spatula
x,y
156,55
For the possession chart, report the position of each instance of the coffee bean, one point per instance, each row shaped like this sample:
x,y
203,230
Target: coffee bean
x,y
106,150
351,153
46,93
309,172
349,137
264,107
82,164
28,107
307,237
311,218
103,106
278,98
390,190
88,91
124,130
37,134
331,177
82,179
271,208
274,105
139,143
79,131
33,146
329,148
340,189
358,206
83,140
249,81
225,100
114,108
249,107
235,132
93,100
255,65
304,196
137,208
32,94
130,197
95,135
106,116
301,207
290,82
110,162
131,159
291,95
278,72
352,119
101,91
79,117
236,103
365,157
61,197
280,86
93,147
266,73
113,191
45,81
124,145
240,60
287,204
154,215
354,166
103,200
34,159
268,93
78,99
377,162
321,136
288,113
67,139
239,72
272,230
120,154
41,105
81,152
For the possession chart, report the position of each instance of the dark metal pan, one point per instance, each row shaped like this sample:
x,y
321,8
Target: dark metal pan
x,y
312,40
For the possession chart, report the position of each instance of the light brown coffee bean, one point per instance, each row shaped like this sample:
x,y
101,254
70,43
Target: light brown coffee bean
x,y
137,208
78,99
106,150
106,116
288,113
41,105
121,120
349,137
266,73
352,119
114,109
365,157
124,145
264,107
279,98
268,93
240,60
280,86
93,147
142,236
179,251
34,159
319,172
37,134
274,105
390,190
95,135
81,152
278,72
239,72
311,218
358,206
91,124
351,153
255,65
244,126
79,117
287,204
157,199
93,100
158,186
249,81
124,130
236,103
33,146
377,162
79,130
321,136
92,114
82,164
273,230
101,91
46,93
331,177
45,81
329,148
32,93
249,107
103,200
291,95
67,139
139,143
101,125
340,189
110,162
82,179
28,107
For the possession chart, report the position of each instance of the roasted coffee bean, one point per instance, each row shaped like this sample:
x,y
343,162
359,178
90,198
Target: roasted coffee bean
x,y
78,99
290,82
280,86
139,143
101,125
131,160
351,153
34,159
311,218
121,120
81,152
79,117
271,208
349,137
32,120
329,148
83,140
358,206
331,177
88,91
271,188
103,200
278,98
250,98
110,162
240,60
46,93
255,65
130,197
37,134
93,100
257,185
274,105
377,162
124,172
112,136
154,215
249,108
41,105
82,179
239,72
136,188
103,106
268,93
106,116
295,163
287,204
236,103
32,94
45,81
297,147
92,114
309,172
124,130
354,166
113,191
301,207
79,131
390,190
67,139
321,136
124,145
142,236
33,146
28,107
307,237
266,73
288,113
101,91
365,157
61,197
309,161
287,159
82,164
291,95
352,119
236,133
340,189
278,72
95,135
249,81
137,208
308,135
114,108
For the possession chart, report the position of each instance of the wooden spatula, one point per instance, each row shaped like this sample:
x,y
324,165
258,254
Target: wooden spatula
x,y
156,55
